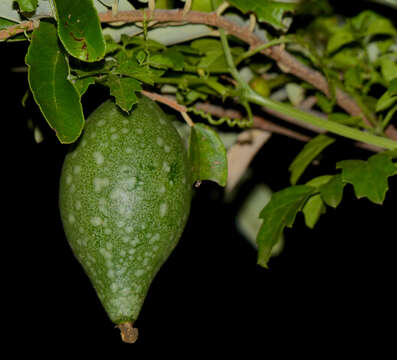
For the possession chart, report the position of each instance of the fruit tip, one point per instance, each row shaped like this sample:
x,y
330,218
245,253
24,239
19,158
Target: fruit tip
x,y
129,334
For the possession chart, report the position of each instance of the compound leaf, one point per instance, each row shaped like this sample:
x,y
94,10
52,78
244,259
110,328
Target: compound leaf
x,y
124,90
369,178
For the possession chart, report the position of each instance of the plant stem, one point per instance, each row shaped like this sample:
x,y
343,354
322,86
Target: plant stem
x,y
388,117
330,126
260,48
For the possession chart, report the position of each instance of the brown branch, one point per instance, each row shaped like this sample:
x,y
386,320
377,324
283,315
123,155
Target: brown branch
x,y
165,100
278,53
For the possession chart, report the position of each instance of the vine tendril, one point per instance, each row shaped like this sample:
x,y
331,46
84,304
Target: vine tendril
x,y
241,123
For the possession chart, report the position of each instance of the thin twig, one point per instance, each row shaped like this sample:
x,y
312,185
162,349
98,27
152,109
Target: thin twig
x,y
170,102
165,100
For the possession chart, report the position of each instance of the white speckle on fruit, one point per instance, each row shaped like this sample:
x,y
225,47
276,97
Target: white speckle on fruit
x,y
81,229
163,209
160,141
71,218
93,134
96,221
100,183
122,253
135,242
131,251
110,274
106,254
155,238
78,205
166,167
115,136
99,159
125,122
128,150
125,239
69,179
113,129
77,169
124,130
139,272
101,122
108,231
109,246
128,229
167,149
139,131
162,189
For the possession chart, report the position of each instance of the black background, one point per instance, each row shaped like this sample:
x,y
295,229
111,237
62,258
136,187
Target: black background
x,y
331,288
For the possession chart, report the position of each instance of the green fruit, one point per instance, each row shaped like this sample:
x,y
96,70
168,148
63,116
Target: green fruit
x,y
125,194
260,85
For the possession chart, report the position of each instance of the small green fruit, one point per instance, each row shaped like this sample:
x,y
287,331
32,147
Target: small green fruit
x,y
260,85
125,194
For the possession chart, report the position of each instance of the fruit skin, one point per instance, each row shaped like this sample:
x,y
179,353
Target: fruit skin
x,y
125,193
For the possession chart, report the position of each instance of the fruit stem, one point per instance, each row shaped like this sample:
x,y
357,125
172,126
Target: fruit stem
x,y
129,334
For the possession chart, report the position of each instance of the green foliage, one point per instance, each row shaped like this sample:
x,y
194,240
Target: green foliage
x,y
207,155
48,79
79,29
309,152
27,5
369,178
271,12
225,78
279,213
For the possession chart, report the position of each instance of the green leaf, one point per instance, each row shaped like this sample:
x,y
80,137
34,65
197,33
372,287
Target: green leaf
x,y
48,73
27,5
309,152
388,68
168,59
369,178
268,11
346,119
4,23
369,23
385,101
332,191
315,206
82,84
80,30
312,210
392,90
207,155
124,90
339,39
277,214
324,103
129,66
